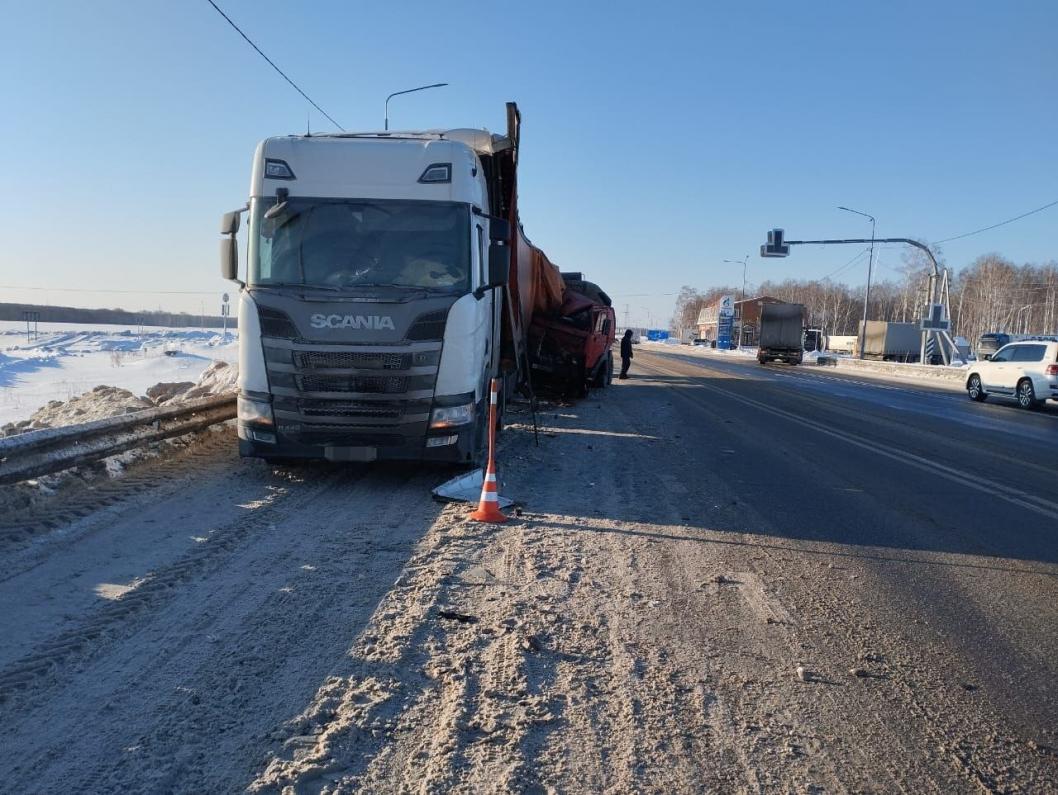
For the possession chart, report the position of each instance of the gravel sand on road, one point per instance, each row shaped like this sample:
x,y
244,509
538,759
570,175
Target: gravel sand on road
x,y
646,625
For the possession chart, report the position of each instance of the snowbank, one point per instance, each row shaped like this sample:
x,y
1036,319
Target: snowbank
x,y
68,360
109,401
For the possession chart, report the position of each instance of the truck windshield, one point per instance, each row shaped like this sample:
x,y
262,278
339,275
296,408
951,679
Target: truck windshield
x,y
348,244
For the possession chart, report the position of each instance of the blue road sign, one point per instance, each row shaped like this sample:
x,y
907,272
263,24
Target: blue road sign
x,y
723,331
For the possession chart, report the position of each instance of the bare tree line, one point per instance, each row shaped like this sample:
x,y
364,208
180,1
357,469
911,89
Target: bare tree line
x,y
991,294
73,314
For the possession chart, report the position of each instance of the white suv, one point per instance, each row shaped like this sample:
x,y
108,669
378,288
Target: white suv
x,y
1026,370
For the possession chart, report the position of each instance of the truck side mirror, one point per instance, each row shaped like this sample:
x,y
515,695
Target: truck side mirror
x,y
229,248
229,259
499,268
499,265
499,230
229,223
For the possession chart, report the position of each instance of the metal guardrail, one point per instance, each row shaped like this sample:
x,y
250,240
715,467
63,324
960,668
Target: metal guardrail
x,y
35,453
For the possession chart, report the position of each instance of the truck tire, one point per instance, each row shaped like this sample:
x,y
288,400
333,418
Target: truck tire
x,y
605,375
581,382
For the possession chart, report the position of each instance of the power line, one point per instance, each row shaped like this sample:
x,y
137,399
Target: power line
x,y
106,292
272,64
846,265
1001,223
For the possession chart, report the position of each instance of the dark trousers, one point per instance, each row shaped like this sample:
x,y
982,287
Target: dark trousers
x,y
626,361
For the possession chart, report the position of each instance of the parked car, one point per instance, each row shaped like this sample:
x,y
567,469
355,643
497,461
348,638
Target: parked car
x,y
1026,371
701,342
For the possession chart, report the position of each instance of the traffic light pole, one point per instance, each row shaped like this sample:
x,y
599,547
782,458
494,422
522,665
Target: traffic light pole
x,y
907,240
776,242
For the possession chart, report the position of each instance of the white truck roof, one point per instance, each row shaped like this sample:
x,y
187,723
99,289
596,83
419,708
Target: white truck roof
x,y
377,165
481,141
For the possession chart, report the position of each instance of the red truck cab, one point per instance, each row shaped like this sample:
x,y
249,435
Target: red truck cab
x,y
570,350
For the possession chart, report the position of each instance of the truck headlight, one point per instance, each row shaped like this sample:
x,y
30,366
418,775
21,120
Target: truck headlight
x,y
449,416
255,411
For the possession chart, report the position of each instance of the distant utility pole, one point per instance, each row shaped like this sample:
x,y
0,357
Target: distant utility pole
x,y
32,318
225,309
867,292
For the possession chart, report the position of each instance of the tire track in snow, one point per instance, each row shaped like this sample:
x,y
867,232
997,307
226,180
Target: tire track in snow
x,y
47,660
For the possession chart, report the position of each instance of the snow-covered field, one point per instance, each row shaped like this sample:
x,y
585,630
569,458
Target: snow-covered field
x,y
68,359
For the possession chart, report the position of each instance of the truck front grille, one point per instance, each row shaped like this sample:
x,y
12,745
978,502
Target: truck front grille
x,y
350,388
342,360
340,408
372,384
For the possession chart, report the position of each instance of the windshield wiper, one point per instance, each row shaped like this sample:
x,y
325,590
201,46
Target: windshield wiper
x,y
408,287
300,285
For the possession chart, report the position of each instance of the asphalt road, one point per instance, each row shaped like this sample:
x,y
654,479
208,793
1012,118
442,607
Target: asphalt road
x,y
724,578
892,471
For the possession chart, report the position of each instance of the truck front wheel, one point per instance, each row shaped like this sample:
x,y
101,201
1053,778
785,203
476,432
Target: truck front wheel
x,y
605,375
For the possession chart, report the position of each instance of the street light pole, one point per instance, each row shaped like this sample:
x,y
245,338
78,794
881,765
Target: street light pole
x,y
407,91
1017,316
741,262
742,303
867,292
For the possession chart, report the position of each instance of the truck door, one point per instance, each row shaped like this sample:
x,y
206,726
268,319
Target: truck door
x,y
493,302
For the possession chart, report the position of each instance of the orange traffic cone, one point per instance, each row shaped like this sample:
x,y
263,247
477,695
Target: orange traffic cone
x,y
488,507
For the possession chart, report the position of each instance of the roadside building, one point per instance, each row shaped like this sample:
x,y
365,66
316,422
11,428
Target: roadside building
x,y
747,319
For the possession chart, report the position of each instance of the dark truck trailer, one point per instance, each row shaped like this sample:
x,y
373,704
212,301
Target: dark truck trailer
x,y
781,333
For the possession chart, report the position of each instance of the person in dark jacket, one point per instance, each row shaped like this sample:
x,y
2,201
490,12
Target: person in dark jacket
x,y
626,353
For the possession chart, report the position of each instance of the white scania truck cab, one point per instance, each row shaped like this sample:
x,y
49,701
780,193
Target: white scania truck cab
x,y
371,314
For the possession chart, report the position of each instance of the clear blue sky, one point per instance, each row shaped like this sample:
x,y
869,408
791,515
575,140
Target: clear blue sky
x,y
659,138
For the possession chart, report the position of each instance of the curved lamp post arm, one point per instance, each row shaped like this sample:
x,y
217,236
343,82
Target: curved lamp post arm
x,y
407,91
907,240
